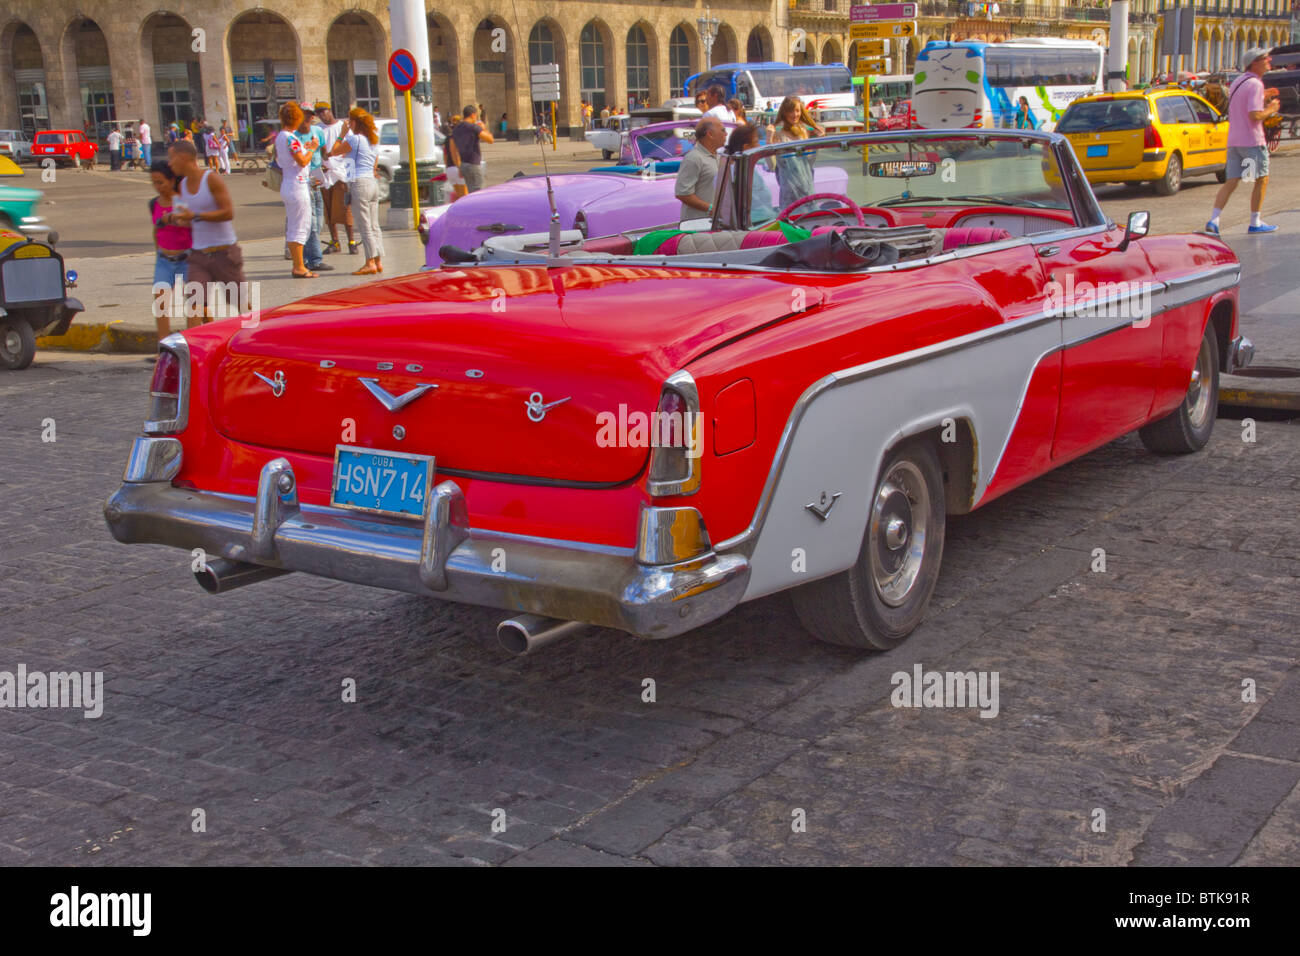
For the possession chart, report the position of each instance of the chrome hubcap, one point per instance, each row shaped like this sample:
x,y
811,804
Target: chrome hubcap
x,y
12,342
1198,392
899,519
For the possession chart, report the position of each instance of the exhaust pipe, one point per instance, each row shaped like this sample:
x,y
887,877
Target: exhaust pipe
x,y
223,575
525,633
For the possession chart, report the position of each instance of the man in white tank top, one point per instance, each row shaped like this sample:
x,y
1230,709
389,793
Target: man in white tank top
x,y
203,203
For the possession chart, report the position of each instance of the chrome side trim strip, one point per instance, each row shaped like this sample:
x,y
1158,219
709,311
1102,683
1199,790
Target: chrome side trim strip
x,y
859,372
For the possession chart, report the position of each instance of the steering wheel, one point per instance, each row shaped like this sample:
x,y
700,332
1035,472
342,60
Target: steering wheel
x,y
853,207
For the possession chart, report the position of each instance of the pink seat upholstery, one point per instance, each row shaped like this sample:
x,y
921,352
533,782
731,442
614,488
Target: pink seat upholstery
x,y
669,246
617,245
819,230
972,236
769,237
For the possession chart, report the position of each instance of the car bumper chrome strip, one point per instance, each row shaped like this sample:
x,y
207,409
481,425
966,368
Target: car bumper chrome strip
x,y
444,558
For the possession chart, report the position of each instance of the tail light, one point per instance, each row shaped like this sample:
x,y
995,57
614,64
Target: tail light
x,y
1151,138
978,122
169,391
677,434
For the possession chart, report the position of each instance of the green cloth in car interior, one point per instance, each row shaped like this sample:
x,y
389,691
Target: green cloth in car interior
x,y
793,233
651,241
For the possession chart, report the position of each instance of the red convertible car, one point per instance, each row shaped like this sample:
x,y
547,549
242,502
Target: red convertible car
x,y
642,431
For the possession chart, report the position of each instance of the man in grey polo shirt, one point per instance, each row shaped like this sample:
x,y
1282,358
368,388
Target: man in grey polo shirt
x,y
699,169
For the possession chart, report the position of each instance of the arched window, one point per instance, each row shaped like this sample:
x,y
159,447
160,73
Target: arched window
x,y
541,45
638,66
591,50
679,61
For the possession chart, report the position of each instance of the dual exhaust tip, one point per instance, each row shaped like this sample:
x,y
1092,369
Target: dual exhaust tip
x,y
521,634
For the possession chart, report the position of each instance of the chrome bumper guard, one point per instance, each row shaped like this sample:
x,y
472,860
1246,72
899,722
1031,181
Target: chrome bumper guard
x,y
445,558
1241,352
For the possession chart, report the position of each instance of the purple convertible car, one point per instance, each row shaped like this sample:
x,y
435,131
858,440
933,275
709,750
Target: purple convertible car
x,y
637,194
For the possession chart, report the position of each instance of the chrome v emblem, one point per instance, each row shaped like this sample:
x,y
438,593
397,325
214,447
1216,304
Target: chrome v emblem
x,y
823,511
390,401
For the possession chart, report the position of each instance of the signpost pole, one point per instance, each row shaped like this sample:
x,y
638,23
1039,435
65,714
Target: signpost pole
x,y
410,151
555,136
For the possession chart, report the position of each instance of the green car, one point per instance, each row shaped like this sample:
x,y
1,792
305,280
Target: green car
x,y
18,207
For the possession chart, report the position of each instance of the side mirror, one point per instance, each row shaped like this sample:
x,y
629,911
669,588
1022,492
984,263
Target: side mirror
x,y
1139,224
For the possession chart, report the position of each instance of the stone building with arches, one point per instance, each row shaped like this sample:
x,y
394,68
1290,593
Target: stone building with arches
x,y
66,64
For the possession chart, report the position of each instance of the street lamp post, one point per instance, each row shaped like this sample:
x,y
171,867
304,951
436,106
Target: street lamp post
x,y
708,32
1229,49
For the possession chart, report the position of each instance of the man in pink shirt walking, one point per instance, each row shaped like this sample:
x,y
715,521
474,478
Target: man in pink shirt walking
x,y
1247,154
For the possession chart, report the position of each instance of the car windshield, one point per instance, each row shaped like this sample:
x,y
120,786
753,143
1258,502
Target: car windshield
x,y
1101,115
913,169
388,134
663,144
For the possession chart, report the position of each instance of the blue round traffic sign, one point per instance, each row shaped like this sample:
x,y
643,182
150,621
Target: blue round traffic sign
x,y
401,70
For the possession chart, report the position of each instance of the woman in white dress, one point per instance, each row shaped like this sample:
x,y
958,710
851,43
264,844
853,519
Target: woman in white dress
x,y
293,157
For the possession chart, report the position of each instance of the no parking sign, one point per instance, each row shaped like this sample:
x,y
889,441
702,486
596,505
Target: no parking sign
x,y
401,70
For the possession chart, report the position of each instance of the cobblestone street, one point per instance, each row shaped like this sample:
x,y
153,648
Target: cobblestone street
x,y
1121,691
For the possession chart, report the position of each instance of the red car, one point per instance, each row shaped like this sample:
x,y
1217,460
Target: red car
x,y
641,431
66,146
901,117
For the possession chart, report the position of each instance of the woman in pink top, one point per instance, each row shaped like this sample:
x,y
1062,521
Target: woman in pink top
x,y
172,243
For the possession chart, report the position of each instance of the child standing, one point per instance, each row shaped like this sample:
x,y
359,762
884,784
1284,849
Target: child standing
x,y
172,243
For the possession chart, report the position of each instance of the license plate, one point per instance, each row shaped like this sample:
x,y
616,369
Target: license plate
x,y
1101,150
381,482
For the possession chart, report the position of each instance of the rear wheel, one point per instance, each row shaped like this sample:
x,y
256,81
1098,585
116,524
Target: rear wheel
x,y
1172,180
1187,428
606,154
1221,176
17,344
881,599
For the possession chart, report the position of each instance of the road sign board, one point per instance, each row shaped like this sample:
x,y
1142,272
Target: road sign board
x,y
545,84
884,28
863,13
870,48
402,71
868,67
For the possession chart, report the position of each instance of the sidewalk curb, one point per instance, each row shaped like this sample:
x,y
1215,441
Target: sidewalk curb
x,y
101,337
1261,398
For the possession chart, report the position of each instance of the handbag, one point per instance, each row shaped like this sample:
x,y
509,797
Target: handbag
x,y
274,178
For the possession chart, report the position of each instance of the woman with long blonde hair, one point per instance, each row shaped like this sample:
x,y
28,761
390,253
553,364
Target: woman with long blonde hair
x,y
793,170
358,144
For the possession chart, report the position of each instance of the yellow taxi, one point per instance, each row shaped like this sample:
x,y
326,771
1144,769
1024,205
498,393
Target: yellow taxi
x,y
1158,135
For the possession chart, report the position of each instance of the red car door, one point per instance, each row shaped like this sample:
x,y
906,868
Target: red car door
x,y
1111,342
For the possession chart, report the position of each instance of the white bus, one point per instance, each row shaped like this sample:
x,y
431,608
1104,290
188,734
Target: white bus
x,y
971,83
762,86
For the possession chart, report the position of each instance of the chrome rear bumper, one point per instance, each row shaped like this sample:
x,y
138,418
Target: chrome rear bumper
x,y
445,558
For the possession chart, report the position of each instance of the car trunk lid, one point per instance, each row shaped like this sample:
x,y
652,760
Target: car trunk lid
x,y
521,360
